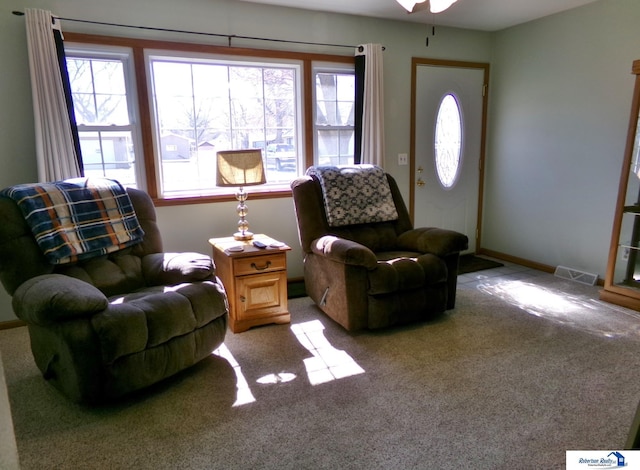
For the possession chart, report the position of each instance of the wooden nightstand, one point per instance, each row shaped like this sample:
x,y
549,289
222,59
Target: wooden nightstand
x,y
255,280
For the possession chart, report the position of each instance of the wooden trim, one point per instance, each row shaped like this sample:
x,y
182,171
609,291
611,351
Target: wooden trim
x,y
623,300
415,62
630,293
514,259
182,201
483,150
624,179
144,115
308,85
7,325
138,46
412,138
449,63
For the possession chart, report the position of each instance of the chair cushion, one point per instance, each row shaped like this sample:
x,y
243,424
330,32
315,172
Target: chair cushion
x,y
357,194
176,268
113,274
47,299
405,271
152,316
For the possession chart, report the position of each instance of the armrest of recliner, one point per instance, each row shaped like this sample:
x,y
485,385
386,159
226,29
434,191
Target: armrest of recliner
x,y
175,268
344,251
52,297
437,241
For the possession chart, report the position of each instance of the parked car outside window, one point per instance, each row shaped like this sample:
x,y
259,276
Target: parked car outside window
x,y
281,156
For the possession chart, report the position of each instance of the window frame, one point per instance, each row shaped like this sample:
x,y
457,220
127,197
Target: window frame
x,y
125,56
331,68
139,48
197,58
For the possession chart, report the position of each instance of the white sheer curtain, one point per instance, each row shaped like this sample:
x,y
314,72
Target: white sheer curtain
x,y
373,105
55,150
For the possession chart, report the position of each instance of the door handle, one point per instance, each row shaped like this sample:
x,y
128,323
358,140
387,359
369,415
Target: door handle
x,y
420,183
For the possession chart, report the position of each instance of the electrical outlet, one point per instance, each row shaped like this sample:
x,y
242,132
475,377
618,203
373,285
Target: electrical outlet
x,y
403,159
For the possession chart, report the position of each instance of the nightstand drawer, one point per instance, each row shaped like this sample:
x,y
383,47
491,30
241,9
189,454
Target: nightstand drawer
x,y
260,264
255,279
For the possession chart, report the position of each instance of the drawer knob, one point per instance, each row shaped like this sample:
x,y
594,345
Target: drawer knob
x,y
243,298
261,268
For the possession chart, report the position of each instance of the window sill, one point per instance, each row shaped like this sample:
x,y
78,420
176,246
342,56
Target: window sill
x,y
187,200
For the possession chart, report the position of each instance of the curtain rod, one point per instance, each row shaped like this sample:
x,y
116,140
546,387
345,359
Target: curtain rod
x,y
228,36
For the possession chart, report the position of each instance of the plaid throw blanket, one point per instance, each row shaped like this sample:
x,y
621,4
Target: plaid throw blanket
x,y
78,218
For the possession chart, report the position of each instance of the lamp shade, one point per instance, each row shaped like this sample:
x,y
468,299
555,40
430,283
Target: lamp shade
x,y
240,168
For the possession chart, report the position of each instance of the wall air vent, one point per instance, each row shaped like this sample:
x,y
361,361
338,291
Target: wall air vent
x,y
576,275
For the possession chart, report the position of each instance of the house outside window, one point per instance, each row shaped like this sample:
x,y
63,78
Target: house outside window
x,y
155,117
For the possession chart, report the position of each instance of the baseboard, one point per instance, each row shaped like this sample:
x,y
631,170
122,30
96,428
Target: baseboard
x,y
514,259
296,288
7,325
524,262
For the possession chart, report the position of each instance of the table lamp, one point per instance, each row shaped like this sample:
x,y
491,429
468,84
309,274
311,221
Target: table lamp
x,y
240,168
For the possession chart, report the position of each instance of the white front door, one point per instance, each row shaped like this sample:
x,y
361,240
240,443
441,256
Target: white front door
x,y
447,145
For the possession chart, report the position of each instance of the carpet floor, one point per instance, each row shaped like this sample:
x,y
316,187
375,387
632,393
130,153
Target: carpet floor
x,y
516,375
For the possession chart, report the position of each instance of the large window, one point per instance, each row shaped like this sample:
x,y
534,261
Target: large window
x,y
154,114
203,105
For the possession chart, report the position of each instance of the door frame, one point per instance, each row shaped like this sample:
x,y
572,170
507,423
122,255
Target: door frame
x,y
415,63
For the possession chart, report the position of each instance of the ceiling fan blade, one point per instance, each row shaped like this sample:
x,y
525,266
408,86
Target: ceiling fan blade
x,y
420,7
434,6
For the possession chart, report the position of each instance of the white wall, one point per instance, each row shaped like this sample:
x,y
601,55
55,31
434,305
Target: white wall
x,y
560,99
189,227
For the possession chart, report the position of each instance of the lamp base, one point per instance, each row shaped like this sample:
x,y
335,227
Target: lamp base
x,y
246,235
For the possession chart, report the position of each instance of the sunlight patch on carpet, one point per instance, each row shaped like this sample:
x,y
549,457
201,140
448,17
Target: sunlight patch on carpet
x,y
244,394
327,363
577,311
279,378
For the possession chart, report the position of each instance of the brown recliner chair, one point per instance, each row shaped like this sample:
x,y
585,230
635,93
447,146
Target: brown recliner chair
x,y
111,324
365,265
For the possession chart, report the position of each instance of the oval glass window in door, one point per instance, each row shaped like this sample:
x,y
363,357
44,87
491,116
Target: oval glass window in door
x,y
448,141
